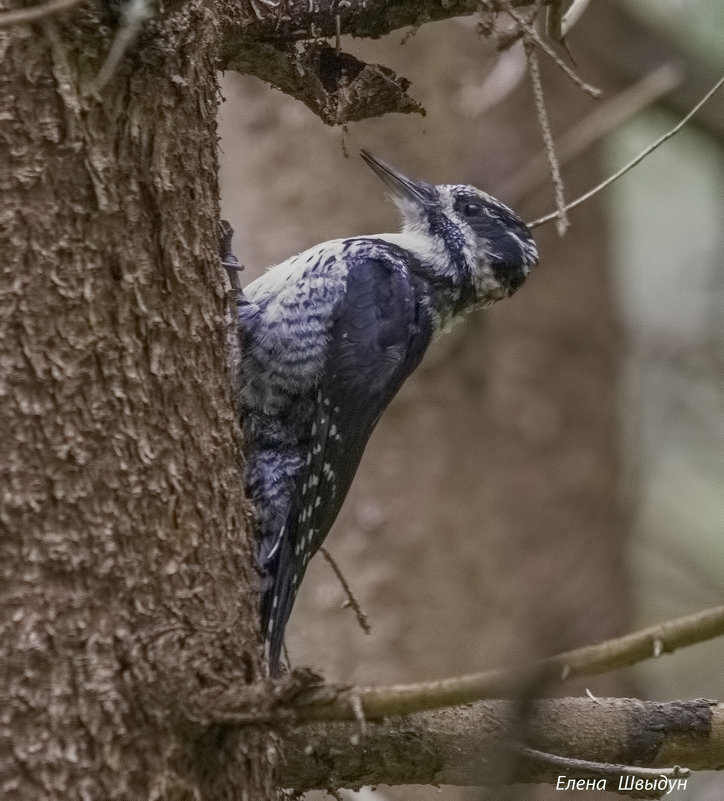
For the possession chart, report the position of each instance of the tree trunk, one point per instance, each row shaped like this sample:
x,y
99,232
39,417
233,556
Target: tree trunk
x,y
126,589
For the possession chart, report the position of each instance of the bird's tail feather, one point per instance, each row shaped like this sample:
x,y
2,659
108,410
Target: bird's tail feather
x,y
276,607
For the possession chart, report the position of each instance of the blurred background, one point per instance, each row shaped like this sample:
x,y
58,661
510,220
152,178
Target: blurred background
x,y
553,474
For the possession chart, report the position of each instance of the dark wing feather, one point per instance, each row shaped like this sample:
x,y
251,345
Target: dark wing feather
x,y
380,333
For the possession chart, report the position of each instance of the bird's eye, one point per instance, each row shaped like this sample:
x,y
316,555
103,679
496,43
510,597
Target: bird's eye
x,y
472,209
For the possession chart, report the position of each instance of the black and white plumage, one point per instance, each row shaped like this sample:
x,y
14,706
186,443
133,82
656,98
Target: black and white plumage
x,y
329,336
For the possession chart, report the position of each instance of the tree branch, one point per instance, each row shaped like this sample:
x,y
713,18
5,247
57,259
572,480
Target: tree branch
x,y
326,702
304,697
467,746
283,42
295,20
329,743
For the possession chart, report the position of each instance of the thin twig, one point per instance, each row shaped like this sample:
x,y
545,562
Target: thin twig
x,y
21,16
330,702
641,156
351,600
542,112
531,32
505,40
603,768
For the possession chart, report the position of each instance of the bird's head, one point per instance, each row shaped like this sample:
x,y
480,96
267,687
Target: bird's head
x,y
464,234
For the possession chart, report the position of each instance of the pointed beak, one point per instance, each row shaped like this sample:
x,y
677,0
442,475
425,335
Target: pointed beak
x,y
402,187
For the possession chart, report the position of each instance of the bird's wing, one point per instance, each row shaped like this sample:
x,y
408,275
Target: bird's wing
x,y
379,335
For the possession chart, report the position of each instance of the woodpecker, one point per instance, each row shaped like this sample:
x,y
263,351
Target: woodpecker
x,y
327,339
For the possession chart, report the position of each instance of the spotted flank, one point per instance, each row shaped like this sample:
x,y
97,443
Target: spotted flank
x,y
379,333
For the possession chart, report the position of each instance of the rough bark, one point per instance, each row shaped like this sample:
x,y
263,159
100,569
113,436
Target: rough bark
x,y
298,20
126,589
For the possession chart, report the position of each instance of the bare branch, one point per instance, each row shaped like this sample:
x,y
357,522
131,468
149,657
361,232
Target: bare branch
x,y
532,34
22,16
351,600
542,112
575,765
303,696
300,20
284,43
641,156
470,745
326,702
